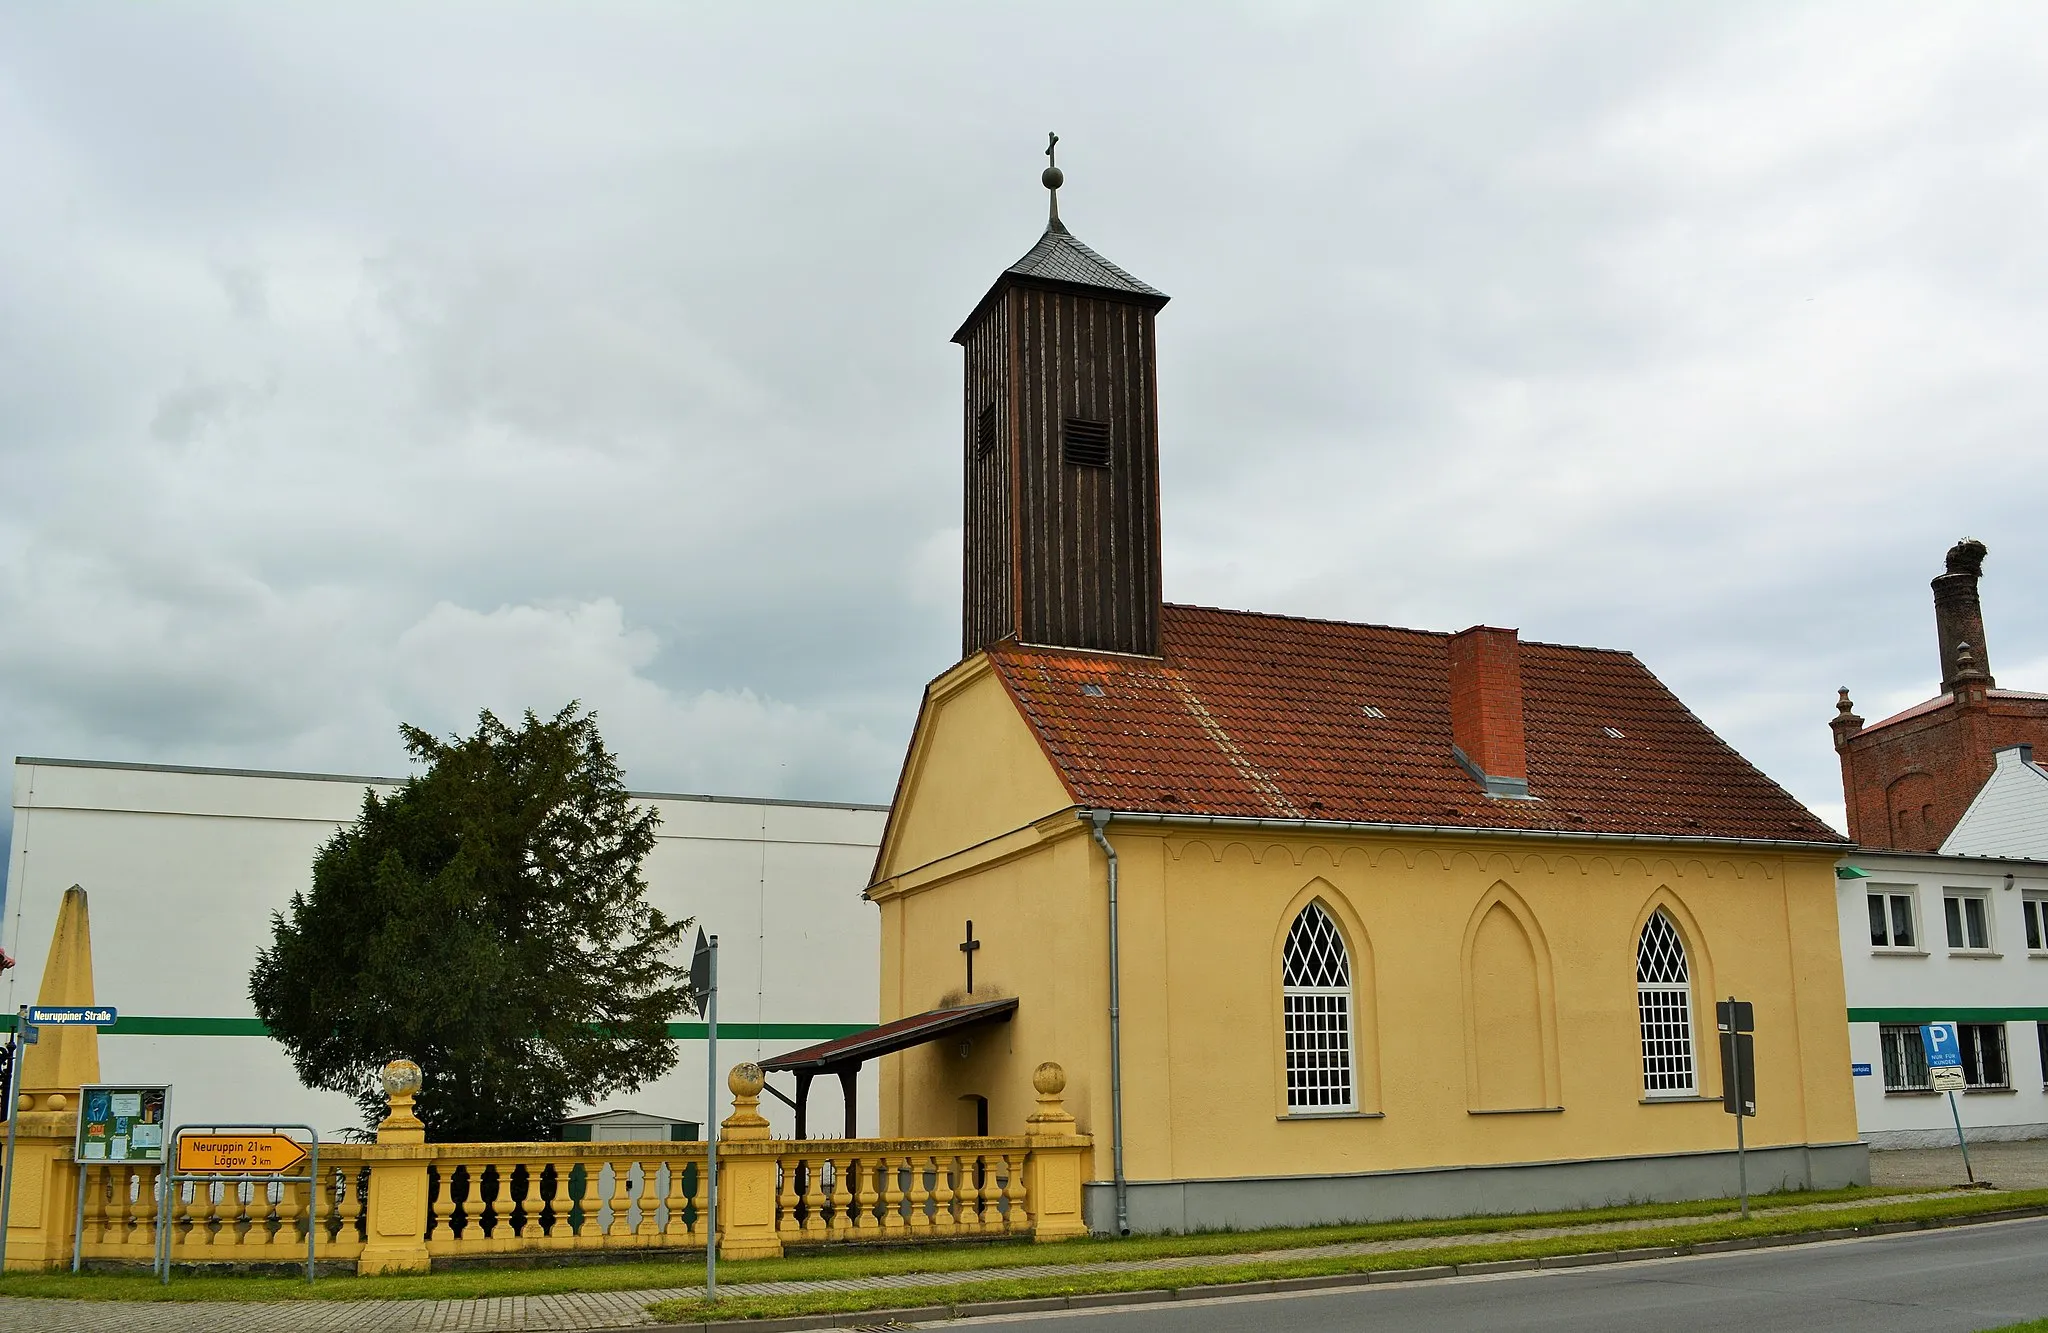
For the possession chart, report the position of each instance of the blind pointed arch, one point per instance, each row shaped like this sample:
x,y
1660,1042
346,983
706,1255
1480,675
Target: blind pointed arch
x,y
1664,1004
1315,1001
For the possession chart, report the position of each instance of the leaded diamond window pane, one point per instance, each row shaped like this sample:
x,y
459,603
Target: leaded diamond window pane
x,y
1315,1004
1315,951
1660,957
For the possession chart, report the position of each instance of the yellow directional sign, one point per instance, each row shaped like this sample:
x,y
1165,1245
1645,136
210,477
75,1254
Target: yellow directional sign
x,y
239,1154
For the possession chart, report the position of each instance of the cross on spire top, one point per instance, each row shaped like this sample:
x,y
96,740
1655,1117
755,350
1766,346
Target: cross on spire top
x,y
1052,179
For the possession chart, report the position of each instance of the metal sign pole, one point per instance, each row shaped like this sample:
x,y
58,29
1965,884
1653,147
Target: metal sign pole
x,y
13,1114
313,1205
710,1132
1741,1151
78,1221
1961,1142
169,1235
1741,1154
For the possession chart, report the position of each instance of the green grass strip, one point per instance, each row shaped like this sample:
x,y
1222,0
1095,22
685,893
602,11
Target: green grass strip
x,y
1690,1234
563,1274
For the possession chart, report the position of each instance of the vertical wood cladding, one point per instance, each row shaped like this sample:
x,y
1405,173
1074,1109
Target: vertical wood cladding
x,y
1059,553
988,567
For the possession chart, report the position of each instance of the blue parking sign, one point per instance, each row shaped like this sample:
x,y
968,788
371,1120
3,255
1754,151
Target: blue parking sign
x,y
1944,1048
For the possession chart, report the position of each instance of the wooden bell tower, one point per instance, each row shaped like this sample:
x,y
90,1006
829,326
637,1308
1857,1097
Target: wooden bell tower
x,y
1061,423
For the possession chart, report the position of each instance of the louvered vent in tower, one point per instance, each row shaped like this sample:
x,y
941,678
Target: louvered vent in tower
x,y
1085,443
985,432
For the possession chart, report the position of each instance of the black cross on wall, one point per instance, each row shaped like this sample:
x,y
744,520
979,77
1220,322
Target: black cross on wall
x,y
968,946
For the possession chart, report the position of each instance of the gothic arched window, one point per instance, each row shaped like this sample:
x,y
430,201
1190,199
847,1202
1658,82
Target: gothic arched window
x,y
1315,1002
1664,1001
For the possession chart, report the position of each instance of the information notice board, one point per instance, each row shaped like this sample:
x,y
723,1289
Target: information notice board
x,y
121,1122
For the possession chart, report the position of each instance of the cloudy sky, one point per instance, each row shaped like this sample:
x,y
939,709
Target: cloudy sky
x,y
362,364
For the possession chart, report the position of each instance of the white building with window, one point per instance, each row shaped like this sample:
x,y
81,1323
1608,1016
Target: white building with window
x,y
1963,939
184,866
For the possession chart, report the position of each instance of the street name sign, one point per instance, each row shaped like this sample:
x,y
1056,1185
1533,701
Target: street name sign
x,y
239,1154
90,1016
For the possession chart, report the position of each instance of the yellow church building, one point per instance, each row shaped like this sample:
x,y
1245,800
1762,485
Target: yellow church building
x,y
1324,921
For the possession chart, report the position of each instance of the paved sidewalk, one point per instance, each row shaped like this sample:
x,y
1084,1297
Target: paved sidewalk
x,y
624,1309
2020,1165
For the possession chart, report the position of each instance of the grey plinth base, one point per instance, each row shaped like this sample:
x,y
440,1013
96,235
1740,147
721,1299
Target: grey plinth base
x,y
1249,1202
1885,1139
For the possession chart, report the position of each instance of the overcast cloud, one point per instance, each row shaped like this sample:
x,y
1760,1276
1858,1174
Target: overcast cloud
x,y
362,364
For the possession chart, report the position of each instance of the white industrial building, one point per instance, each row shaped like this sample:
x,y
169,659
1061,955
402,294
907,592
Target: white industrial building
x,y
2009,815
1929,938
184,866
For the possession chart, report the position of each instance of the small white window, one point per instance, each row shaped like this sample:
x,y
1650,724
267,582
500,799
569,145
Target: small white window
x,y
2036,913
1891,919
1315,1006
1664,1004
1905,1059
1969,920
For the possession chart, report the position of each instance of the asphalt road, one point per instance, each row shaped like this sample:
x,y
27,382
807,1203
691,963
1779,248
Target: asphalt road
x,y
1951,1281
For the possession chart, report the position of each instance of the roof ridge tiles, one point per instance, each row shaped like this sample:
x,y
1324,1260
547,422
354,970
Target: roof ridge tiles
x,y
1246,709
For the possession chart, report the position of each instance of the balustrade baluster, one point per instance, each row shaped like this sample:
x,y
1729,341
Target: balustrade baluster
x,y
222,1208
517,1217
477,1206
179,1200
589,1208
861,1186
99,1184
987,1217
441,1226
814,1198
351,1207
649,1200
889,1181
943,1167
920,1219
842,1197
699,1188
141,1208
289,1235
787,1223
1016,1217
259,1209
675,1226
622,1201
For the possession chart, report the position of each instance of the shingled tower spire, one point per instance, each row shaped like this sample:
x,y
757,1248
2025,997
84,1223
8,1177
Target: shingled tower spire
x,y
1060,420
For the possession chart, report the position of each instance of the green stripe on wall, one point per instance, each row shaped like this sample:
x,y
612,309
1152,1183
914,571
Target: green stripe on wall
x,y
2022,1014
145,1025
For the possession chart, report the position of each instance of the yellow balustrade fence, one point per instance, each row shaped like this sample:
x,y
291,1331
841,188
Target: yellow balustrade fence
x,y
402,1204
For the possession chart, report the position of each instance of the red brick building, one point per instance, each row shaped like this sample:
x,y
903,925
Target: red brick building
x,y
1908,779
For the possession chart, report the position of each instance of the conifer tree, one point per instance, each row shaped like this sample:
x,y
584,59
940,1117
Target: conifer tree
x,y
488,920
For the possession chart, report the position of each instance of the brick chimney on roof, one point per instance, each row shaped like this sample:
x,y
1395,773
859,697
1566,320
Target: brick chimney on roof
x,y
1486,710
1959,619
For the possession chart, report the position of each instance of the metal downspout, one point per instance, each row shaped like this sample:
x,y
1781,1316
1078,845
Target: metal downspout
x,y
1098,823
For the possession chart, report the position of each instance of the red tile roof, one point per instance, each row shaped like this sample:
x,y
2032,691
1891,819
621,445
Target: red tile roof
x,y
896,1035
1249,715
